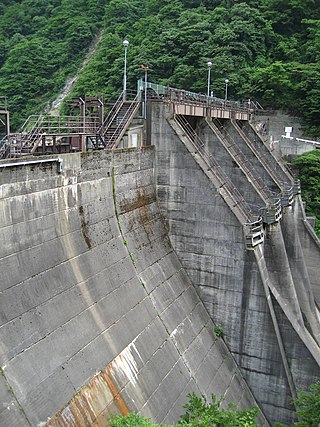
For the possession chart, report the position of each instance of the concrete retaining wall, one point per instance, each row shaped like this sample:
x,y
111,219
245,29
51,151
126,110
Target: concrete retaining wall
x,y
97,314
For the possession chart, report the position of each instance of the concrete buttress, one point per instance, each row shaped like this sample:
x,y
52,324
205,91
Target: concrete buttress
x,y
265,299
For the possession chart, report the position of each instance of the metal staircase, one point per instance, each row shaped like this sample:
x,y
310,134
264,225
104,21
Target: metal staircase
x,y
47,130
27,140
269,163
272,212
253,225
119,118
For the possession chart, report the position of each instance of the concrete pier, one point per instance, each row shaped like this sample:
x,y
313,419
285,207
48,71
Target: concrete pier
x,y
237,285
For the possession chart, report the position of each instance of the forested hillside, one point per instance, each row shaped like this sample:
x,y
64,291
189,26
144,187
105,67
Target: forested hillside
x,y
42,42
268,49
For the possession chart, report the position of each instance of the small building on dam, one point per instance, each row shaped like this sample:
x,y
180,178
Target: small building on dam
x,y
154,251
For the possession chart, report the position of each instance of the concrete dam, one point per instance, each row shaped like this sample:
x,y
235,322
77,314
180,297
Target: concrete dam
x,y
119,267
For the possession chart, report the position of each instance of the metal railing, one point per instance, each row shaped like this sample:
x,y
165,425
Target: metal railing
x,y
194,98
272,212
59,125
267,160
117,128
229,143
254,233
253,223
112,114
235,195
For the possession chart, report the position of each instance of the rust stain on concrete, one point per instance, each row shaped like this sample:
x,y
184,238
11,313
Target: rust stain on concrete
x,y
120,403
141,198
91,403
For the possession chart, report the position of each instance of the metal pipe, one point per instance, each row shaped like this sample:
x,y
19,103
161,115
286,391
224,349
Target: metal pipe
x,y
59,162
125,45
209,63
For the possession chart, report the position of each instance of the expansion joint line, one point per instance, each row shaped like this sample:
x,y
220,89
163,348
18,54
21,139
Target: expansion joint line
x,y
117,217
14,396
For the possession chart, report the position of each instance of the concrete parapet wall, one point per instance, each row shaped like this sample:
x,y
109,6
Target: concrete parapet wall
x,y
97,314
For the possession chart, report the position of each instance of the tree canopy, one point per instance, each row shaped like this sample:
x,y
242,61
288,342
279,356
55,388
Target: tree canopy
x,y
307,167
268,49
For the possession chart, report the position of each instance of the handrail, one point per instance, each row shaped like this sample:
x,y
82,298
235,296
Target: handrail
x,y
253,226
180,95
286,194
241,159
265,160
272,211
186,96
114,138
112,113
216,168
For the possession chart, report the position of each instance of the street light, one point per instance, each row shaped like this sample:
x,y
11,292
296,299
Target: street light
x,y
226,93
125,45
145,68
209,63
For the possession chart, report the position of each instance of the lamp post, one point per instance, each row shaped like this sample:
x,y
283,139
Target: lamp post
x,y
145,68
209,63
145,90
125,44
226,92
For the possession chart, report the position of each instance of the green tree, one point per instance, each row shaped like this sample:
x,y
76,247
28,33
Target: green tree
x,y
132,420
307,407
200,413
307,167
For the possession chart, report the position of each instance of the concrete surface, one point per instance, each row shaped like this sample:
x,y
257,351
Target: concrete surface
x,y
98,316
208,239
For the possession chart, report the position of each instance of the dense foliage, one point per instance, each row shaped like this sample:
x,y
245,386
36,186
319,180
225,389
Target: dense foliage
x,y
199,413
307,167
308,408
132,420
268,49
42,42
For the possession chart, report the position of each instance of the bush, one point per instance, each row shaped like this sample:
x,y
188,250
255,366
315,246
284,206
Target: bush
x,y
199,413
132,420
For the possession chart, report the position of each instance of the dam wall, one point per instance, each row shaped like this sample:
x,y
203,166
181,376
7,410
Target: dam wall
x,y
311,249
276,355
98,315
